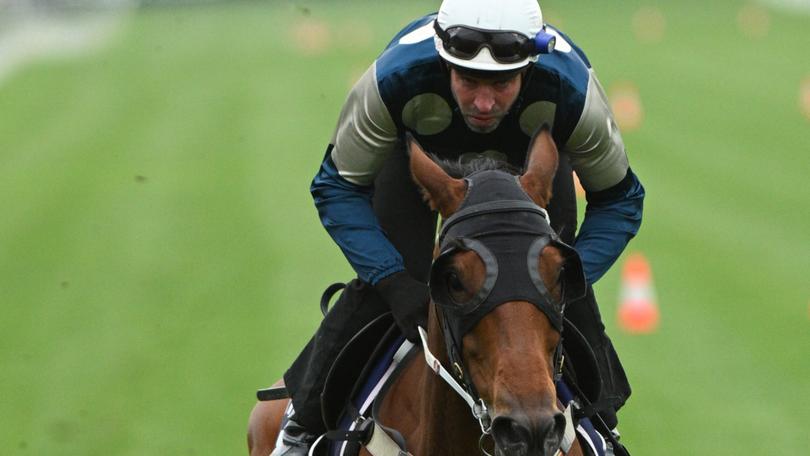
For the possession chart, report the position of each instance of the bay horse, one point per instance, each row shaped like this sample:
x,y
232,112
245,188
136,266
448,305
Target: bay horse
x,y
498,288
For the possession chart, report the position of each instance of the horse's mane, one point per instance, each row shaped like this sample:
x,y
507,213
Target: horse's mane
x,y
458,168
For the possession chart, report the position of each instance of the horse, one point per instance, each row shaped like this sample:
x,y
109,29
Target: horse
x,y
498,287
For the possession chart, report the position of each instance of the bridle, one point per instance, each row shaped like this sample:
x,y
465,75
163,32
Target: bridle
x,y
499,232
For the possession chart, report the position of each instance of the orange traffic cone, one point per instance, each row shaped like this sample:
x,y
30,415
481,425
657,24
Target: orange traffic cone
x,y
580,191
638,310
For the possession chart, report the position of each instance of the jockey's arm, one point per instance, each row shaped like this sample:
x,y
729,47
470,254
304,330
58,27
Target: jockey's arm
x,y
346,213
343,188
612,218
614,194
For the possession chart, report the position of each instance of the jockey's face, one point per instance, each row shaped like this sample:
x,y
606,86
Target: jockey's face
x,y
484,102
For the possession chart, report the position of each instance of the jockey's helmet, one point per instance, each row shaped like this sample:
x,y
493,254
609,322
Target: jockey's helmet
x,y
491,35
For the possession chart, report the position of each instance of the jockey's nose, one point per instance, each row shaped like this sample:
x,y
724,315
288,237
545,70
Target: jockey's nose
x,y
522,436
484,100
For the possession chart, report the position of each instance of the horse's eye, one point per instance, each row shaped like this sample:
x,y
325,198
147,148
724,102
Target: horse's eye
x,y
455,287
454,283
456,278
561,284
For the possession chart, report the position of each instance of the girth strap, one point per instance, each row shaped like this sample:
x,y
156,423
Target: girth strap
x,y
381,444
570,433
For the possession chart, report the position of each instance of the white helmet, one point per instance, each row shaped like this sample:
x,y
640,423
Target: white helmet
x,y
521,17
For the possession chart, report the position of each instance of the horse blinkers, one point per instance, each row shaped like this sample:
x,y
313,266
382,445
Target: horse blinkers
x,y
508,238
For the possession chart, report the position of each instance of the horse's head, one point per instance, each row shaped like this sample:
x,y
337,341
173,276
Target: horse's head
x,y
499,285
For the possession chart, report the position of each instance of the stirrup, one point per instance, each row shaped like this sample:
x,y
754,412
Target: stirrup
x,y
293,440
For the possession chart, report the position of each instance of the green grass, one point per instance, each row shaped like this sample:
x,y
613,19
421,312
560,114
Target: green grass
x,y
160,257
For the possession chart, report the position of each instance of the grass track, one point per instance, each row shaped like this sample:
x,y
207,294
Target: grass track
x,y
160,257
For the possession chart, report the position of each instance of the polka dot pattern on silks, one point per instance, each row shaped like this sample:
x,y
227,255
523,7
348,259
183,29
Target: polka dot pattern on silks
x,y
537,114
427,114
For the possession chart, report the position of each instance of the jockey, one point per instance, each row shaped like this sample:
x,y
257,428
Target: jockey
x,y
476,79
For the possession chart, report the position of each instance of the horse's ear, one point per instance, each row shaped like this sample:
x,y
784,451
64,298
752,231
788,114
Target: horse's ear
x,y
541,166
441,191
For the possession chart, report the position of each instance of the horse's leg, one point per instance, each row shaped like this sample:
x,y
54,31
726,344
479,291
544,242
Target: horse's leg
x,y
264,425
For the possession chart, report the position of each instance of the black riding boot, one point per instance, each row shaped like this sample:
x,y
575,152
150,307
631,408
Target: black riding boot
x,y
615,389
357,306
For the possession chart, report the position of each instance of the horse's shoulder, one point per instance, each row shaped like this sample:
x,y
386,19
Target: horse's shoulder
x,y
396,401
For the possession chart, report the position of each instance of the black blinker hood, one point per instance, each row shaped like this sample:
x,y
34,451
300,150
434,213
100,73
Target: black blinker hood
x,y
500,222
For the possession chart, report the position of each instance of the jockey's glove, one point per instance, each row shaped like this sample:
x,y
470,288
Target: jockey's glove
x,y
408,300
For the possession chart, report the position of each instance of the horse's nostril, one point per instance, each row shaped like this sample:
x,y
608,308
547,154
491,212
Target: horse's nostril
x,y
523,436
559,424
511,438
554,435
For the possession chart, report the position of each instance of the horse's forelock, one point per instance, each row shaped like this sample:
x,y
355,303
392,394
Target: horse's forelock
x,y
458,169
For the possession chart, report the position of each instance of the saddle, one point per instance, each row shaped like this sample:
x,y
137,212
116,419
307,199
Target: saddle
x,y
358,361
361,372
359,376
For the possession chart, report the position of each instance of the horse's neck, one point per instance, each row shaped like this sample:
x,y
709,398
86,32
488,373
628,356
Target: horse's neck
x,y
448,427
434,420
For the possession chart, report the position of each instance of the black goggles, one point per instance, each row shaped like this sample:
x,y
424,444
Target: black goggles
x,y
504,46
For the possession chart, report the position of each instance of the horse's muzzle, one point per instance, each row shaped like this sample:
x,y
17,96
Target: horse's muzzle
x,y
524,436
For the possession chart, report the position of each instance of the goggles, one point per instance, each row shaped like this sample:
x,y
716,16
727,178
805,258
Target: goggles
x,y
505,46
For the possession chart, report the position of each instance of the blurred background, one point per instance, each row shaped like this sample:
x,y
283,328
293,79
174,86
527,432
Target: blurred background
x,y
161,259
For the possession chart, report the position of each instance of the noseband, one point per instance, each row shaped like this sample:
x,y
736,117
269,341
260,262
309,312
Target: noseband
x,y
500,223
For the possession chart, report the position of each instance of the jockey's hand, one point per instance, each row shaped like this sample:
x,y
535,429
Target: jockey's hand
x,y
408,299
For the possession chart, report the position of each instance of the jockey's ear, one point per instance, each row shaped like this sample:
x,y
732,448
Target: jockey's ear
x,y
541,166
441,191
